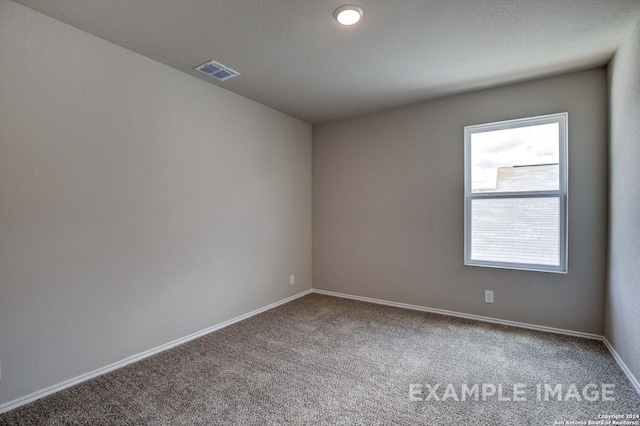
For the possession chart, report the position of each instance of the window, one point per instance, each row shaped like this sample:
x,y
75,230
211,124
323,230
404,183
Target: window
x,y
516,194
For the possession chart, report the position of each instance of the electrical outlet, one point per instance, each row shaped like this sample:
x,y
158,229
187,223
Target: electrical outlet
x,y
488,296
292,279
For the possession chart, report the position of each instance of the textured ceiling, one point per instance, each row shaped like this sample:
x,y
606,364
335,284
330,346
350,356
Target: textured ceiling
x,y
295,58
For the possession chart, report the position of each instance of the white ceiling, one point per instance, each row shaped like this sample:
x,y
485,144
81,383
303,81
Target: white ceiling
x,y
295,58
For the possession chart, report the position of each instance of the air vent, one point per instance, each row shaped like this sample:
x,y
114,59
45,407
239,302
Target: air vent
x,y
217,70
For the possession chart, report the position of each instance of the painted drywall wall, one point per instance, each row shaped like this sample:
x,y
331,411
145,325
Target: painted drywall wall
x,y
622,325
137,204
388,206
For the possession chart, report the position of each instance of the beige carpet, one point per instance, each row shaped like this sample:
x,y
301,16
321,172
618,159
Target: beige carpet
x,y
324,360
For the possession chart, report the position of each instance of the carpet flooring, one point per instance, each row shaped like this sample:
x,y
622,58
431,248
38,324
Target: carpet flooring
x,y
324,360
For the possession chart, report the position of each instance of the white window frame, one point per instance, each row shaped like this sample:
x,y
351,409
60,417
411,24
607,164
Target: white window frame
x,y
561,193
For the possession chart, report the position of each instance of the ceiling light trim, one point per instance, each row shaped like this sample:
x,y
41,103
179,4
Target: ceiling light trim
x,y
348,14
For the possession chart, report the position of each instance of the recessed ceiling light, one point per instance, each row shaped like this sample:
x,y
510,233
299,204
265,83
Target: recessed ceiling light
x,y
348,15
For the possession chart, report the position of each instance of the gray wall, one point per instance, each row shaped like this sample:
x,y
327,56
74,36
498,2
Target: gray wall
x,y
137,204
622,326
388,194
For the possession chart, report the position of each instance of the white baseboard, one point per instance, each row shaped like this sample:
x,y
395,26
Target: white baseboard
x,y
119,364
621,364
462,315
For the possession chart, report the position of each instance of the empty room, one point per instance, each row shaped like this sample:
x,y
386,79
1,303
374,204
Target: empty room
x,y
272,212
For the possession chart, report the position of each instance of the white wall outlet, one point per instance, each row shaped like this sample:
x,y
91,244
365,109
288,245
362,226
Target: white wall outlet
x,y
292,279
488,296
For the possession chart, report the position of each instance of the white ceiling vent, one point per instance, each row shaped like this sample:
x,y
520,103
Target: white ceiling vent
x,y
217,70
